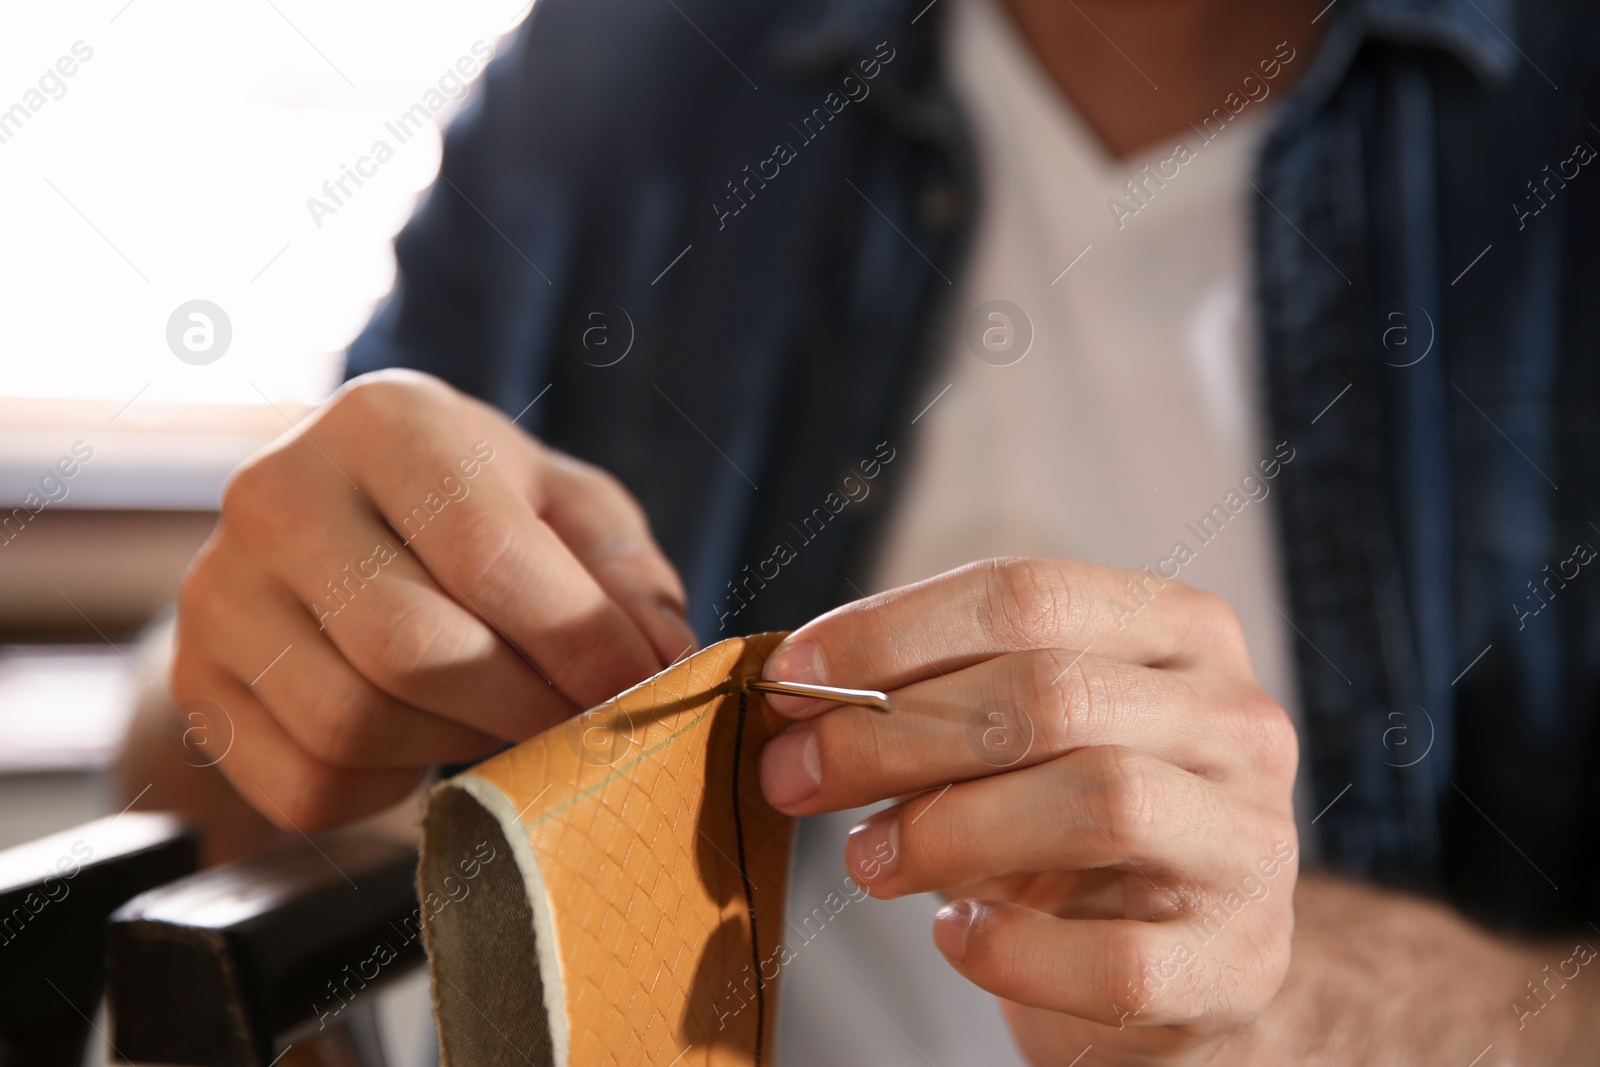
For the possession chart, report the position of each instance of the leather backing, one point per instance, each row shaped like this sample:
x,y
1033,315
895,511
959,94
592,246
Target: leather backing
x,y
589,896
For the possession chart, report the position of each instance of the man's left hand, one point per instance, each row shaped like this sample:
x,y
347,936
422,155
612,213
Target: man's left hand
x,y
1092,774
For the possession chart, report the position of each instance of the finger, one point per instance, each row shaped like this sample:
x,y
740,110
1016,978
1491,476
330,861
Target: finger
x,y
608,533
328,708
488,548
1097,893
1102,807
1111,971
1014,711
283,781
382,611
421,646
992,607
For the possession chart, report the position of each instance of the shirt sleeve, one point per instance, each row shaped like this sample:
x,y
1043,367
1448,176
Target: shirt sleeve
x,y
451,257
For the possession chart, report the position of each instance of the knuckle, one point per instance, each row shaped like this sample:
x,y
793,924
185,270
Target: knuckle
x,y
1212,609
1217,624
624,500
342,724
480,545
596,481
384,396
1275,740
197,594
1026,600
308,797
385,406
1260,734
248,492
261,500
1130,979
1074,700
1130,799
405,649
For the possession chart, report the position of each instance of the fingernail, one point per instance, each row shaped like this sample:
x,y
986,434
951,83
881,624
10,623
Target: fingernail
x,y
873,849
682,633
797,661
951,927
791,768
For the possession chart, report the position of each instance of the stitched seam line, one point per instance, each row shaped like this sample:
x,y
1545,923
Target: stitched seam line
x,y
744,875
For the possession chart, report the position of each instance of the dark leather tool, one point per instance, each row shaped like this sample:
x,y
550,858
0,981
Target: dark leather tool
x,y
55,894
235,965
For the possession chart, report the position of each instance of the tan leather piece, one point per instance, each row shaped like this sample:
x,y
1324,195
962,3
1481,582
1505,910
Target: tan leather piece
x,y
582,892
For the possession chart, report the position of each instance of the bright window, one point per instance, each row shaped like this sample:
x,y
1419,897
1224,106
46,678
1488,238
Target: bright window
x,y
157,152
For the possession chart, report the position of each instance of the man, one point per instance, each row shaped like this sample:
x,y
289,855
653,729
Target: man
x,y
802,280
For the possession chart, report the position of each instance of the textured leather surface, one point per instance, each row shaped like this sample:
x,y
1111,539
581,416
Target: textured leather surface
x,y
588,895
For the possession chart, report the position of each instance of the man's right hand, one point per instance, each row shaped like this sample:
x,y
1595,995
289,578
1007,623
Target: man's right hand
x,y
408,579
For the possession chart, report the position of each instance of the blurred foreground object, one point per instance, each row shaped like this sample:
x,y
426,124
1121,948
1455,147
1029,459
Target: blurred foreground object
x,y
237,965
55,895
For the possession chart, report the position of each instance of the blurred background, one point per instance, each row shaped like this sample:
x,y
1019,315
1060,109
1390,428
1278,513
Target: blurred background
x,y
170,302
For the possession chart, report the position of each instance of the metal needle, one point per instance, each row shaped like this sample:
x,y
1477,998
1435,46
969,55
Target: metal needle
x,y
865,698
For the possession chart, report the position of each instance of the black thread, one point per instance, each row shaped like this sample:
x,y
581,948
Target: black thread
x,y
744,874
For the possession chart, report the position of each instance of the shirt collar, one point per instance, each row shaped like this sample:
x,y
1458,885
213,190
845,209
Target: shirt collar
x,y
1481,33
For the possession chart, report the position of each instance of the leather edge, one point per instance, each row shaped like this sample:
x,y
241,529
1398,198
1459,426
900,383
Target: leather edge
x,y
499,807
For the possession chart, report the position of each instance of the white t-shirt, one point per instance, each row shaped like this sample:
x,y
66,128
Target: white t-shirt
x,y
1132,415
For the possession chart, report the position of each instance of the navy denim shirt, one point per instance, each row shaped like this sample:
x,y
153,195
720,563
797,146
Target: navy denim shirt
x,y
774,247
